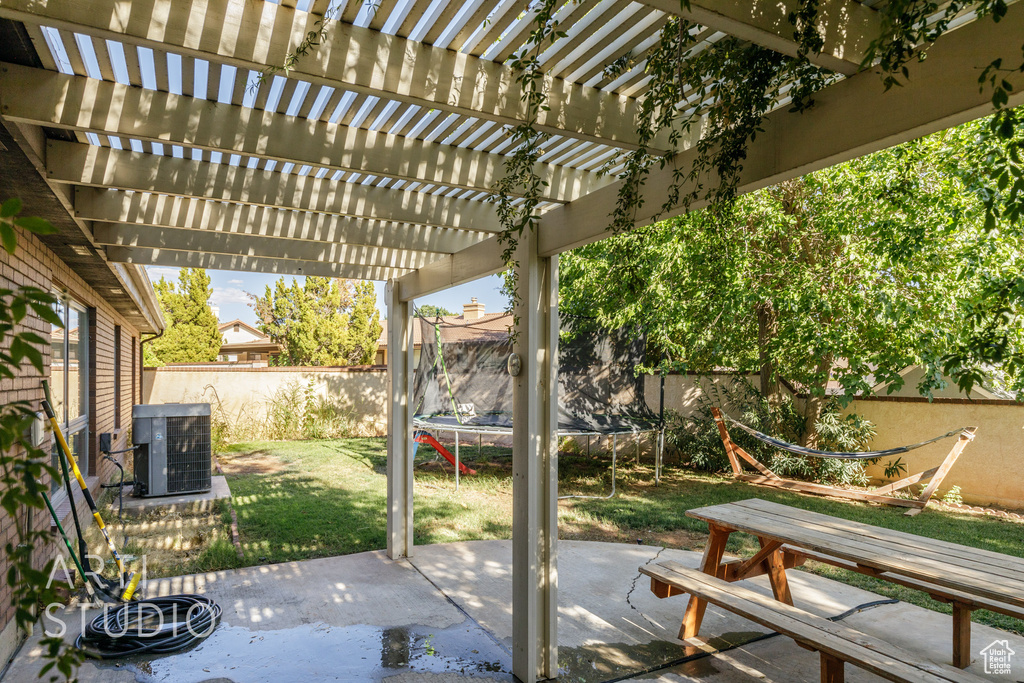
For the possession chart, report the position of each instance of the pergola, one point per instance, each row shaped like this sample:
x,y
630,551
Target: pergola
x,y
376,157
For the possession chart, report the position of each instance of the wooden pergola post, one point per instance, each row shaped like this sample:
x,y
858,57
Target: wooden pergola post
x,y
400,445
535,467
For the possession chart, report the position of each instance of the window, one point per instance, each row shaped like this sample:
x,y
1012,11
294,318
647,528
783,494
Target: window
x,y
134,363
69,381
257,356
117,376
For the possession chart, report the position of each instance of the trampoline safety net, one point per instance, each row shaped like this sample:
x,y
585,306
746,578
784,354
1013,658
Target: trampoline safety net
x,y
462,380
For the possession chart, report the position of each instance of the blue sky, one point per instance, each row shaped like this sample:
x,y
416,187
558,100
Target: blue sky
x,y
230,288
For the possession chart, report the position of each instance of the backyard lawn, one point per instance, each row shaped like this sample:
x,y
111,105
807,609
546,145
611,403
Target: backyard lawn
x,y
303,499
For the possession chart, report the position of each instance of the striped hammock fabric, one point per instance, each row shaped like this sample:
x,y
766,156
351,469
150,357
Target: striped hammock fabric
x,y
867,455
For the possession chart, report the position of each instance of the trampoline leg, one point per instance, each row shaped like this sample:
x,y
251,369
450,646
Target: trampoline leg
x,y
480,445
615,446
456,461
588,445
659,448
637,449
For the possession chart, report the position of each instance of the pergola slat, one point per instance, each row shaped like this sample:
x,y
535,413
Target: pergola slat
x,y
112,206
77,103
847,26
103,167
854,117
255,35
254,264
214,242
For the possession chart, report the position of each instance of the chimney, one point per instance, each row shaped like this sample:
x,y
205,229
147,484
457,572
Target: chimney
x,y
472,310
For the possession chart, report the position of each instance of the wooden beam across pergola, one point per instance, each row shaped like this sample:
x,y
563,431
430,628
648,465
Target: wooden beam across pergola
x,y
377,156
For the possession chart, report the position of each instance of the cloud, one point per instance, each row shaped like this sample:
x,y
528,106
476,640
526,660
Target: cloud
x,y
228,295
157,272
235,282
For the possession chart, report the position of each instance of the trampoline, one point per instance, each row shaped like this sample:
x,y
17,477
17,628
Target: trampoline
x,y
462,385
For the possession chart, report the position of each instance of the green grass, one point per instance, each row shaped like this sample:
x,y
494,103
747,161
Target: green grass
x,y
322,498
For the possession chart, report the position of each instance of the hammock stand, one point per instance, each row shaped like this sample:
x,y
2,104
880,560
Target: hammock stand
x,y
881,494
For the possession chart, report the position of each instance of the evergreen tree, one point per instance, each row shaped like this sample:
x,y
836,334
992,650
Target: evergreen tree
x,y
364,326
323,321
191,335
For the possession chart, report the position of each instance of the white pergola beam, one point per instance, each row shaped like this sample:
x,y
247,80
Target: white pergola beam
x,y
49,98
165,211
254,264
255,35
472,263
850,119
103,167
117,206
847,27
400,433
309,228
259,246
535,467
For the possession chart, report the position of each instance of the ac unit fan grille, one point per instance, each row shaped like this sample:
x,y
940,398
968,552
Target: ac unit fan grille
x,y
188,453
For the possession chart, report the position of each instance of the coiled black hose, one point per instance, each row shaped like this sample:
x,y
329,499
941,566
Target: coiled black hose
x,y
157,626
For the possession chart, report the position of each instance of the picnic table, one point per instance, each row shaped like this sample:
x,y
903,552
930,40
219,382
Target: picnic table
x,y
968,578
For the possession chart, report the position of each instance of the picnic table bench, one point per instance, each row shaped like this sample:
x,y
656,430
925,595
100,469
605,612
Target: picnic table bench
x,y
835,642
967,578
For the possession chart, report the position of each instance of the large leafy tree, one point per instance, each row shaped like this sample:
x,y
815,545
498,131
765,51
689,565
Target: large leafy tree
x,y
322,321
849,274
191,335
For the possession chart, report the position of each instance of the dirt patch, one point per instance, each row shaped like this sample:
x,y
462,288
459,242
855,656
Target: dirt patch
x,y
254,462
679,538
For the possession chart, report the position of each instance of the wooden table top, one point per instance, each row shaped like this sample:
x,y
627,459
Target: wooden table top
x,y
971,570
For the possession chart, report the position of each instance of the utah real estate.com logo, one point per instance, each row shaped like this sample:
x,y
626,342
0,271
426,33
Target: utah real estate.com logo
x,y
997,657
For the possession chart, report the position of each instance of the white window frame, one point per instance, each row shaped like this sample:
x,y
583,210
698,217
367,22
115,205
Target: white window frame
x,y
80,424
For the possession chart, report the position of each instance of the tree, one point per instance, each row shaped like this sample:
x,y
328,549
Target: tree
x,y
191,335
364,325
431,311
323,321
849,274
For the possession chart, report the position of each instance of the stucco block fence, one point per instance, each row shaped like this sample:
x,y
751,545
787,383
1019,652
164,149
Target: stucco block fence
x,y
248,395
990,472
991,469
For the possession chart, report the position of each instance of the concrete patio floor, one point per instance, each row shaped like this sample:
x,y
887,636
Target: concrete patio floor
x,y
446,616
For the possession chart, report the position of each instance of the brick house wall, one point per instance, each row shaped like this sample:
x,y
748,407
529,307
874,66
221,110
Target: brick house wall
x,y
33,264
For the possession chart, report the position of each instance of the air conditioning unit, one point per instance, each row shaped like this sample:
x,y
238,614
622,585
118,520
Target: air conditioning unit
x,y
172,448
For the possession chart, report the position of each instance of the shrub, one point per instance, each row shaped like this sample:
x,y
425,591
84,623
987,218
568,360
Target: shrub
x,y
295,411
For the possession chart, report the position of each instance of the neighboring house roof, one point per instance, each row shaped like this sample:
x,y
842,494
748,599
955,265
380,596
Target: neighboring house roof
x,y
248,328
255,346
487,327
260,343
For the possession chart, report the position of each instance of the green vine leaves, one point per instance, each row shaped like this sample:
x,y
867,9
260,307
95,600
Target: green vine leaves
x,y
519,190
23,466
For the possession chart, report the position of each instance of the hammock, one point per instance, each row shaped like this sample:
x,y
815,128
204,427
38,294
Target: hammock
x,y
883,494
863,455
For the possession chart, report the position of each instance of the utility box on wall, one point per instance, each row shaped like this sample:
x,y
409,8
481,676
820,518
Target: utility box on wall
x,y
172,448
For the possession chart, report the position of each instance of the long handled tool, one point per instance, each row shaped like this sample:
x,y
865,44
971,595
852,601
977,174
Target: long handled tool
x,y
65,452
64,536
83,547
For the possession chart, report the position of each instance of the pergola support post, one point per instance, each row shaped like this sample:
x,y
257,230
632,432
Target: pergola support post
x,y
400,443
535,467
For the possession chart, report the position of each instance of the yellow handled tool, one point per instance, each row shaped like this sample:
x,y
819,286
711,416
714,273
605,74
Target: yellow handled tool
x,y
66,454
